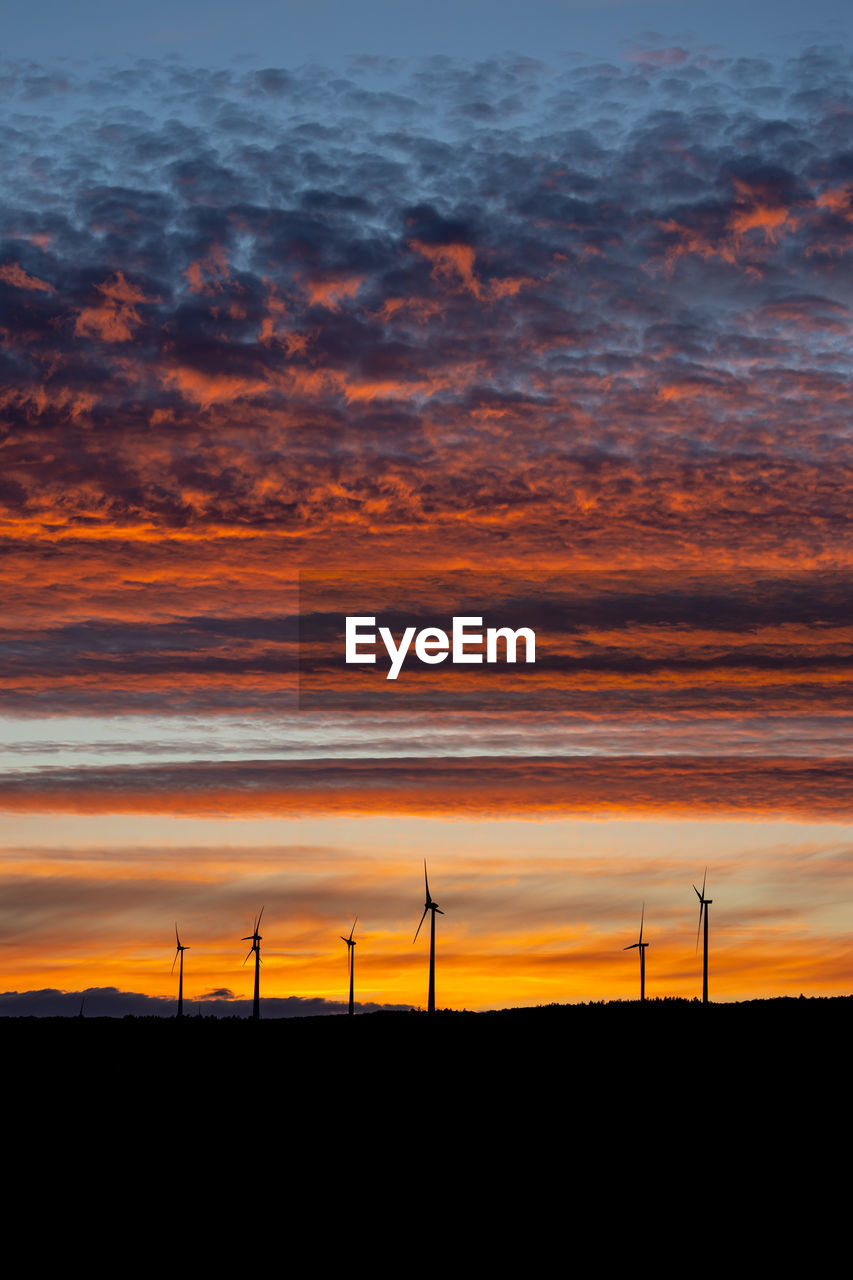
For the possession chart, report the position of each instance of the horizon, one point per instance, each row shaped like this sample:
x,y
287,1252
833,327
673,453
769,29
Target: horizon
x,y
111,1004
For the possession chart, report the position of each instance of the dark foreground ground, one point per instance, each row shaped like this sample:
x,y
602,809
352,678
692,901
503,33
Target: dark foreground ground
x,y
611,1056
582,1121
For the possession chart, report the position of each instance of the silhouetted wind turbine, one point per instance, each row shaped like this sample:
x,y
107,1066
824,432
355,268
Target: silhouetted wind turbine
x,y
350,962
255,938
642,947
704,904
179,951
433,907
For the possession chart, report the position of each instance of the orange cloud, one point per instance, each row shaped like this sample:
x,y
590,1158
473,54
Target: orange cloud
x,y
15,275
451,263
330,292
754,210
207,274
206,389
116,318
419,309
274,327
838,200
754,214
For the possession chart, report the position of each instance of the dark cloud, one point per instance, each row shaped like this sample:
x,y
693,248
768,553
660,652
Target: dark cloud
x,y
250,320
109,1002
821,789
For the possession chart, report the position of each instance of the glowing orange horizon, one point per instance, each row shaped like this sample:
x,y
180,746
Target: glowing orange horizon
x,y
488,973
535,913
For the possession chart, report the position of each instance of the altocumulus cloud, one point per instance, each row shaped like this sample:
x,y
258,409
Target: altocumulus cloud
x,y
570,303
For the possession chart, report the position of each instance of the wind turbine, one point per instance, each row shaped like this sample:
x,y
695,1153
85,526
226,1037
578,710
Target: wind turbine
x,y
429,905
642,947
255,938
704,904
350,962
179,951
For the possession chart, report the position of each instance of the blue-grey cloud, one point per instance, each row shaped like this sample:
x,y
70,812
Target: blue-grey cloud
x,y
110,1002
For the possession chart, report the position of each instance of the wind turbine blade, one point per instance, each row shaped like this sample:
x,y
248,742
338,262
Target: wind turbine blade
x,y
699,930
251,949
642,918
438,909
417,931
698,894
174,962
343,939
258,925
352,930
632,946
177,939
426,882
704,878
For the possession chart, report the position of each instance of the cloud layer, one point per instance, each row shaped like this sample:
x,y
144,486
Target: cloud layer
x,y
498,314
496,302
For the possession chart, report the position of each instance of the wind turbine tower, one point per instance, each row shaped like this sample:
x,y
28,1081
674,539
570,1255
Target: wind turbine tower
x,y
255,938
350,963
179,951
704,904
433,907
642,948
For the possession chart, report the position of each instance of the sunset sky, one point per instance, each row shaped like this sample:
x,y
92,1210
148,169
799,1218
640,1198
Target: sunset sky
x,y
551,317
